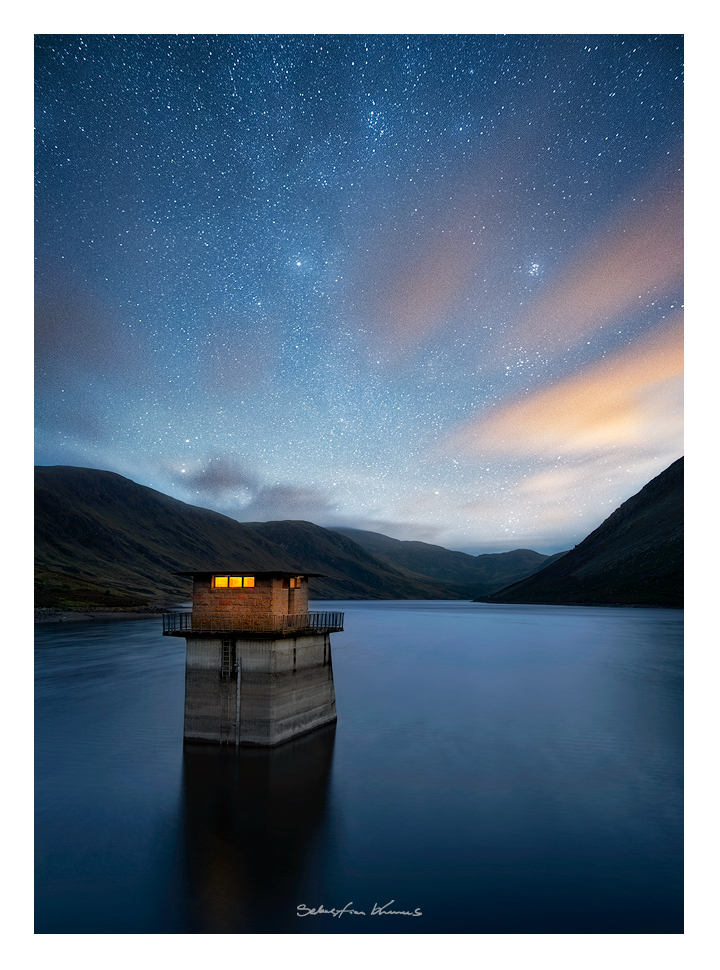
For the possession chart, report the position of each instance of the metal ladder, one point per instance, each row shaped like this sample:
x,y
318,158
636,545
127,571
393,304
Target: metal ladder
x,y
226,658
230,664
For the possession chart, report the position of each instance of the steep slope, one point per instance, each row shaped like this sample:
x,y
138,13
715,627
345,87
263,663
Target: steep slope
x,y
101,539
635,558
98,530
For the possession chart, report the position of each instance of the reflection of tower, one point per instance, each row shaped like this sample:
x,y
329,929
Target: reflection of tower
x,y
258,667
253,817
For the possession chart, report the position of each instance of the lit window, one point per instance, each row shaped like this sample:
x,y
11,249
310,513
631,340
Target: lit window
x,y
292,582
222,582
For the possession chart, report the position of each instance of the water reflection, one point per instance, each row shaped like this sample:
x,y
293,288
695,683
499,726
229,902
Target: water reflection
x,y
253,819
507,770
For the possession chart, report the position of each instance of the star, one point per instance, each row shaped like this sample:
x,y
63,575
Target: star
x,y
339,262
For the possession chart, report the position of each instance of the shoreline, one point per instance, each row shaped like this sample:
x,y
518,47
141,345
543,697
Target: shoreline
x,y
48,614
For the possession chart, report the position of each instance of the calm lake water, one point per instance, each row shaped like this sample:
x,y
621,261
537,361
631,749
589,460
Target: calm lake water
x,y
499,769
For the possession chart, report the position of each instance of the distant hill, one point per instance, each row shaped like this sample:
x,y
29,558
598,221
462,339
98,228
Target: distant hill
x,y
635,558
101,540
471,574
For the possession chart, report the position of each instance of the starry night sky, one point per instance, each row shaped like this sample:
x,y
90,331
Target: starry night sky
x,y
429,286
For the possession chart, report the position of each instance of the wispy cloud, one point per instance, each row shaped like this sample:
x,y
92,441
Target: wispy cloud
x,y
220,477
635,258
78,335
416,292
545,508
287,502
230,485
632,400
417,269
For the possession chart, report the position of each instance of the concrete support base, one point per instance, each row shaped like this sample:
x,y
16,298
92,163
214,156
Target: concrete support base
x,y
259,692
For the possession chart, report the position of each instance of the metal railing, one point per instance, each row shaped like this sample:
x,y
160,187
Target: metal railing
x,y
279,623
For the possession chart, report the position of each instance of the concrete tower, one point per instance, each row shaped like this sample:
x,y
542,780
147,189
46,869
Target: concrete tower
x,y
258,667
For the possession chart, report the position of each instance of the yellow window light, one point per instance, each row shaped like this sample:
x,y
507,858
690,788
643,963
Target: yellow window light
x,y
222,582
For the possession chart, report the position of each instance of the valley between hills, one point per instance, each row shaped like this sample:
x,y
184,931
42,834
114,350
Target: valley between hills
x,y
103,542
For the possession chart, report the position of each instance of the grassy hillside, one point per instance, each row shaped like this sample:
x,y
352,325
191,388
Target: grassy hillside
x,y
476,574
103,540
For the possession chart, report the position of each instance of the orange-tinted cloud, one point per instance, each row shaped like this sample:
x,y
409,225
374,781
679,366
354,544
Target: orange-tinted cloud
x,y
77,333
638,257
416,292
419,266
631,399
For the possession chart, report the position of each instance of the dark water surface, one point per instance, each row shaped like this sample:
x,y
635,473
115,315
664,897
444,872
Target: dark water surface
x,y
500,769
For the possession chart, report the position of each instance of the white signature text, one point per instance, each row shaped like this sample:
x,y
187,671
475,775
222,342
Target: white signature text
x,y
320,910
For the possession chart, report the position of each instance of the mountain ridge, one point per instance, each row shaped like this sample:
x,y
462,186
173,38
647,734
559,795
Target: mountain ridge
x,y
634,558
435,562
103,540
